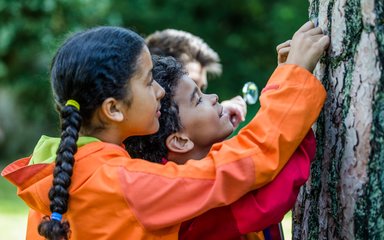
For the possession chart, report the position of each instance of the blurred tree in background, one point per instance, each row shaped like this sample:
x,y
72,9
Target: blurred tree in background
x,y
244,33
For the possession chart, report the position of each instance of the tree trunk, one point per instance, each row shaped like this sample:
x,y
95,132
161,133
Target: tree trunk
x,y
344,197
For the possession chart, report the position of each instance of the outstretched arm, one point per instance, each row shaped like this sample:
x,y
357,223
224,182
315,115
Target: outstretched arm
x,y
269,204
258,209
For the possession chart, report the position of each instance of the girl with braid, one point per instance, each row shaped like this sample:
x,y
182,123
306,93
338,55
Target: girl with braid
x,y
89,187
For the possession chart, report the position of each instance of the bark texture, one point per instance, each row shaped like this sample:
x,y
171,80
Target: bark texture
x,y
344,198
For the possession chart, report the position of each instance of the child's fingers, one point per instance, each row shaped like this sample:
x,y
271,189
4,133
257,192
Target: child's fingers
x,y
284,51
307,26
283,55
324,41
284,44
315,31
315,21
316,38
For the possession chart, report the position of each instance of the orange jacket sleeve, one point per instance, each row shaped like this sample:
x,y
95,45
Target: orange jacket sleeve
x,y
171,193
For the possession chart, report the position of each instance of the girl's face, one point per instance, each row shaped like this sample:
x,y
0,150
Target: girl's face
x,y
142,116
201,116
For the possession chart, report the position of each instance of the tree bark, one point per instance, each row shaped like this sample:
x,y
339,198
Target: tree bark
x,y
344,197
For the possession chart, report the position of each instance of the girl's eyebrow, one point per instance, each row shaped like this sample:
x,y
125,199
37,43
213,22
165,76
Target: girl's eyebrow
x,y
194,94
149,73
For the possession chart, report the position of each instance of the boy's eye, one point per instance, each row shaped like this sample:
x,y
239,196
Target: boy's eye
x,y
199,100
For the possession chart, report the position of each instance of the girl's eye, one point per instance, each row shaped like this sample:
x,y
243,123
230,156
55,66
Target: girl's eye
x,y
151,82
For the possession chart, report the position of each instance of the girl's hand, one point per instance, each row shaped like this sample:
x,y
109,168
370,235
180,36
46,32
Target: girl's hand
x,y
307,46
282,51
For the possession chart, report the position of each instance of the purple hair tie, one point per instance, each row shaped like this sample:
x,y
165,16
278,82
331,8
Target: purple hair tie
x,y
164,160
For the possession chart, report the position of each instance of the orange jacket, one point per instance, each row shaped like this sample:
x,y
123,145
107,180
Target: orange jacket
x,y
113,196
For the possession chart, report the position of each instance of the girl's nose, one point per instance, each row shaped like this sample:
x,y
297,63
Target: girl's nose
x,y
160,92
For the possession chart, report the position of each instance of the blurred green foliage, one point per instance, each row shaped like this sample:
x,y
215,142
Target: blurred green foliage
x,y
244,33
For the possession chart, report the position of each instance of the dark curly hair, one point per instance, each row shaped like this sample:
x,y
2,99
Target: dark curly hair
x,y
89,67
166,71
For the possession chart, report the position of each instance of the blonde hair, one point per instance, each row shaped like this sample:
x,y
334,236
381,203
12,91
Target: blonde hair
x,y
185,47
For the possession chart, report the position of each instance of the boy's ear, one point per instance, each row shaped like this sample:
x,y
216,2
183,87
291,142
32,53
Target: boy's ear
x,y
179,143
112,109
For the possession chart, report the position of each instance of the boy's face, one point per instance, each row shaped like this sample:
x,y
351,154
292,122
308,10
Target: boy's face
x,y
202,117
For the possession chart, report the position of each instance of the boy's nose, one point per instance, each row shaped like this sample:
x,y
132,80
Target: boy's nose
x,y
214,98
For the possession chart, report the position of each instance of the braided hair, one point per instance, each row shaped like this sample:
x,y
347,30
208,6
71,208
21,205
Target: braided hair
x,y
88,68
166,71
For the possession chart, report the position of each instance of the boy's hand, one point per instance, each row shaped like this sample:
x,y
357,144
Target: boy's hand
x,y
236,109
307,46
282,51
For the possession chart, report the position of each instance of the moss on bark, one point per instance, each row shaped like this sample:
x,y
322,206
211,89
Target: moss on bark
x,y
325,170
369,212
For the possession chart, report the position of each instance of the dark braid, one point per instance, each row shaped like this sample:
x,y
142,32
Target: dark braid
x,y
59,196
166,71
89,67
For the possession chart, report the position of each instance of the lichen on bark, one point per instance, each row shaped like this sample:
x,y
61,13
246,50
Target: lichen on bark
x,y
344,197
369,212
